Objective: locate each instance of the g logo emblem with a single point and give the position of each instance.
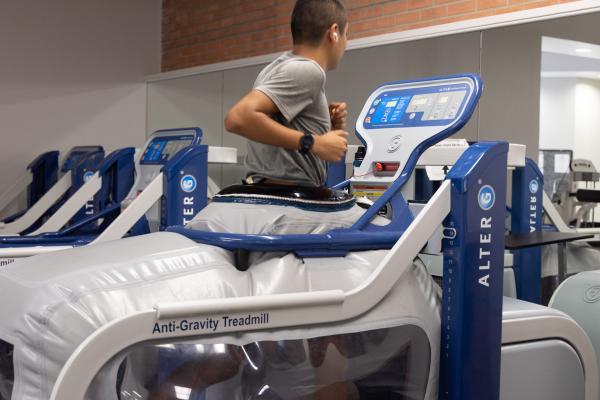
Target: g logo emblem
(592, 295)
(486, 197)
(188, 183)
(534, 186)
(87, 176)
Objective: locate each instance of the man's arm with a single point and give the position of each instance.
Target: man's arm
(251, 118)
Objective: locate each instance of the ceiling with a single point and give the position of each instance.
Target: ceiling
(563, 58)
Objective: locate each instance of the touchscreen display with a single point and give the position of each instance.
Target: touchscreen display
(389, 109)
(416, 107)
(161, 149)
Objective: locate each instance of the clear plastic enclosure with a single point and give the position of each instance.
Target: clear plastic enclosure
(382, 364)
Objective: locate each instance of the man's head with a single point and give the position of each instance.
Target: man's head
(321, 23)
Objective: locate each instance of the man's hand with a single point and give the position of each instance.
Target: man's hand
(331, 146)
(338, 113)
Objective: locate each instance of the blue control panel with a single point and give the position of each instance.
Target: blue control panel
(162, 148)
(429, 106)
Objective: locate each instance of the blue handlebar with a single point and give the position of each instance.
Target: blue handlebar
(115, 157)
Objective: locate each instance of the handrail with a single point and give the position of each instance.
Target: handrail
(71, 206)
(136, 210)
(48, 237)
(115, 157)
(39, 208)
(284, 310)
(337, 240)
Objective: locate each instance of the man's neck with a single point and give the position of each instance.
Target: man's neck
(317, 54)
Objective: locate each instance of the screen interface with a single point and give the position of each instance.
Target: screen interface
(434, 106)
(161, 149)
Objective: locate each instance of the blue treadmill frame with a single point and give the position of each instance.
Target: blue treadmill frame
(175, 204)
(44, 174)
(526, 217)
(472, 296)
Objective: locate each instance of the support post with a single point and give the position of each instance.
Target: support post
(526, 217)
(185, 186)
(473, 275)
(44, 171)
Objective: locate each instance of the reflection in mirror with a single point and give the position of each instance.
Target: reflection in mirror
(570, 125)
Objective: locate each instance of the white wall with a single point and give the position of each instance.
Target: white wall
(587, 120)
(570, 116)
(557, 113)
(72, 73)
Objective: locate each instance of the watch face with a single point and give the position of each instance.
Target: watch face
(309, 139)
(306, 143)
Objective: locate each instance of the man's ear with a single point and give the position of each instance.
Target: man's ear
(334, 33)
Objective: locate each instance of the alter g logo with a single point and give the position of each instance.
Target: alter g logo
(486, 197)
(188, 183)
(534, 186)
(592, 294)
(87, 176)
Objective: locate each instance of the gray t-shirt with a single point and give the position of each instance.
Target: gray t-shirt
(297, 87)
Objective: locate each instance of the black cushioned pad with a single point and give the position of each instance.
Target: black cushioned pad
(313, 198)
(588, 195)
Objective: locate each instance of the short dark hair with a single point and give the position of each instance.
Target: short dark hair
(312, 18)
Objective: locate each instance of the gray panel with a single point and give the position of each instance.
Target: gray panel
(363, 70)
(511, 71)
(72, 74)
(236, 84)
(543, 370)
(190, 101)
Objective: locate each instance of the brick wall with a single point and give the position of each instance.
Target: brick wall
(199, 32)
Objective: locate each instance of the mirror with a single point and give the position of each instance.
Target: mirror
(510, 60)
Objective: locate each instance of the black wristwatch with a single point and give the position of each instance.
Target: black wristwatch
(306, 143)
